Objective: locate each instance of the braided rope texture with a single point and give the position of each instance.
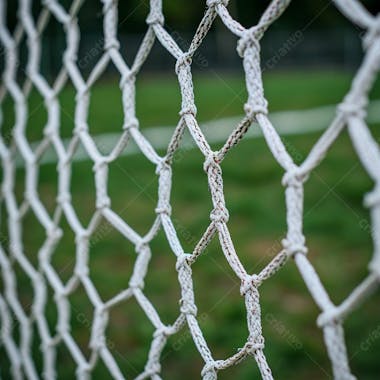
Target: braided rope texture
(350, 114)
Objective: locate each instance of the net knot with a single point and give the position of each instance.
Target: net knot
(111, 43)
(64, 198)
(214, 3)
(329, 317)
(81, 271)
(183, 61)
(49, 132)
(182, 261)
(136, 283)
(152, 369)
(83, 371)
(82, 92)
(254, 344)
(210, 161)
(155, 17)
(100, 163)
(249, 39)
(190, 109)
(372, 33)
(294, 177)
(188, 307)
(61, 294)
(209, 371)
(82, 235)
(351, 108)
(252, 109)
(48, 344)
(132, 122)
(292, 248)
(103, 202)
(141, 245)
(54, 233)
(69, 57)
(80, 127)
(163, 331)
(248, 282)
(164, 209)
(127, 78)
(220, 215)
(372, 198)
(162, 166)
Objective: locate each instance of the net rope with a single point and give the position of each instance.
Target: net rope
(350, 114)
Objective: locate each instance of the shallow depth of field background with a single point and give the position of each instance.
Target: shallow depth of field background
(309, 58)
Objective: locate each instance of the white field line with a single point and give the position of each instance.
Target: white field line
(216, 131)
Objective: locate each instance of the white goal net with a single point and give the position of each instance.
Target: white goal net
(350, 114)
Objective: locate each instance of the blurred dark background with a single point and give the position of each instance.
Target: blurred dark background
(323, 36)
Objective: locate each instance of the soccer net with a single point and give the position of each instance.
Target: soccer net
(350, 114)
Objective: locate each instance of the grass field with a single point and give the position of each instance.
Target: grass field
(337, 228)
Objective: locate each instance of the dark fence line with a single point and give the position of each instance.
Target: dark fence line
(280, 49)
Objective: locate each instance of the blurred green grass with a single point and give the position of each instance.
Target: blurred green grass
(337, 228)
